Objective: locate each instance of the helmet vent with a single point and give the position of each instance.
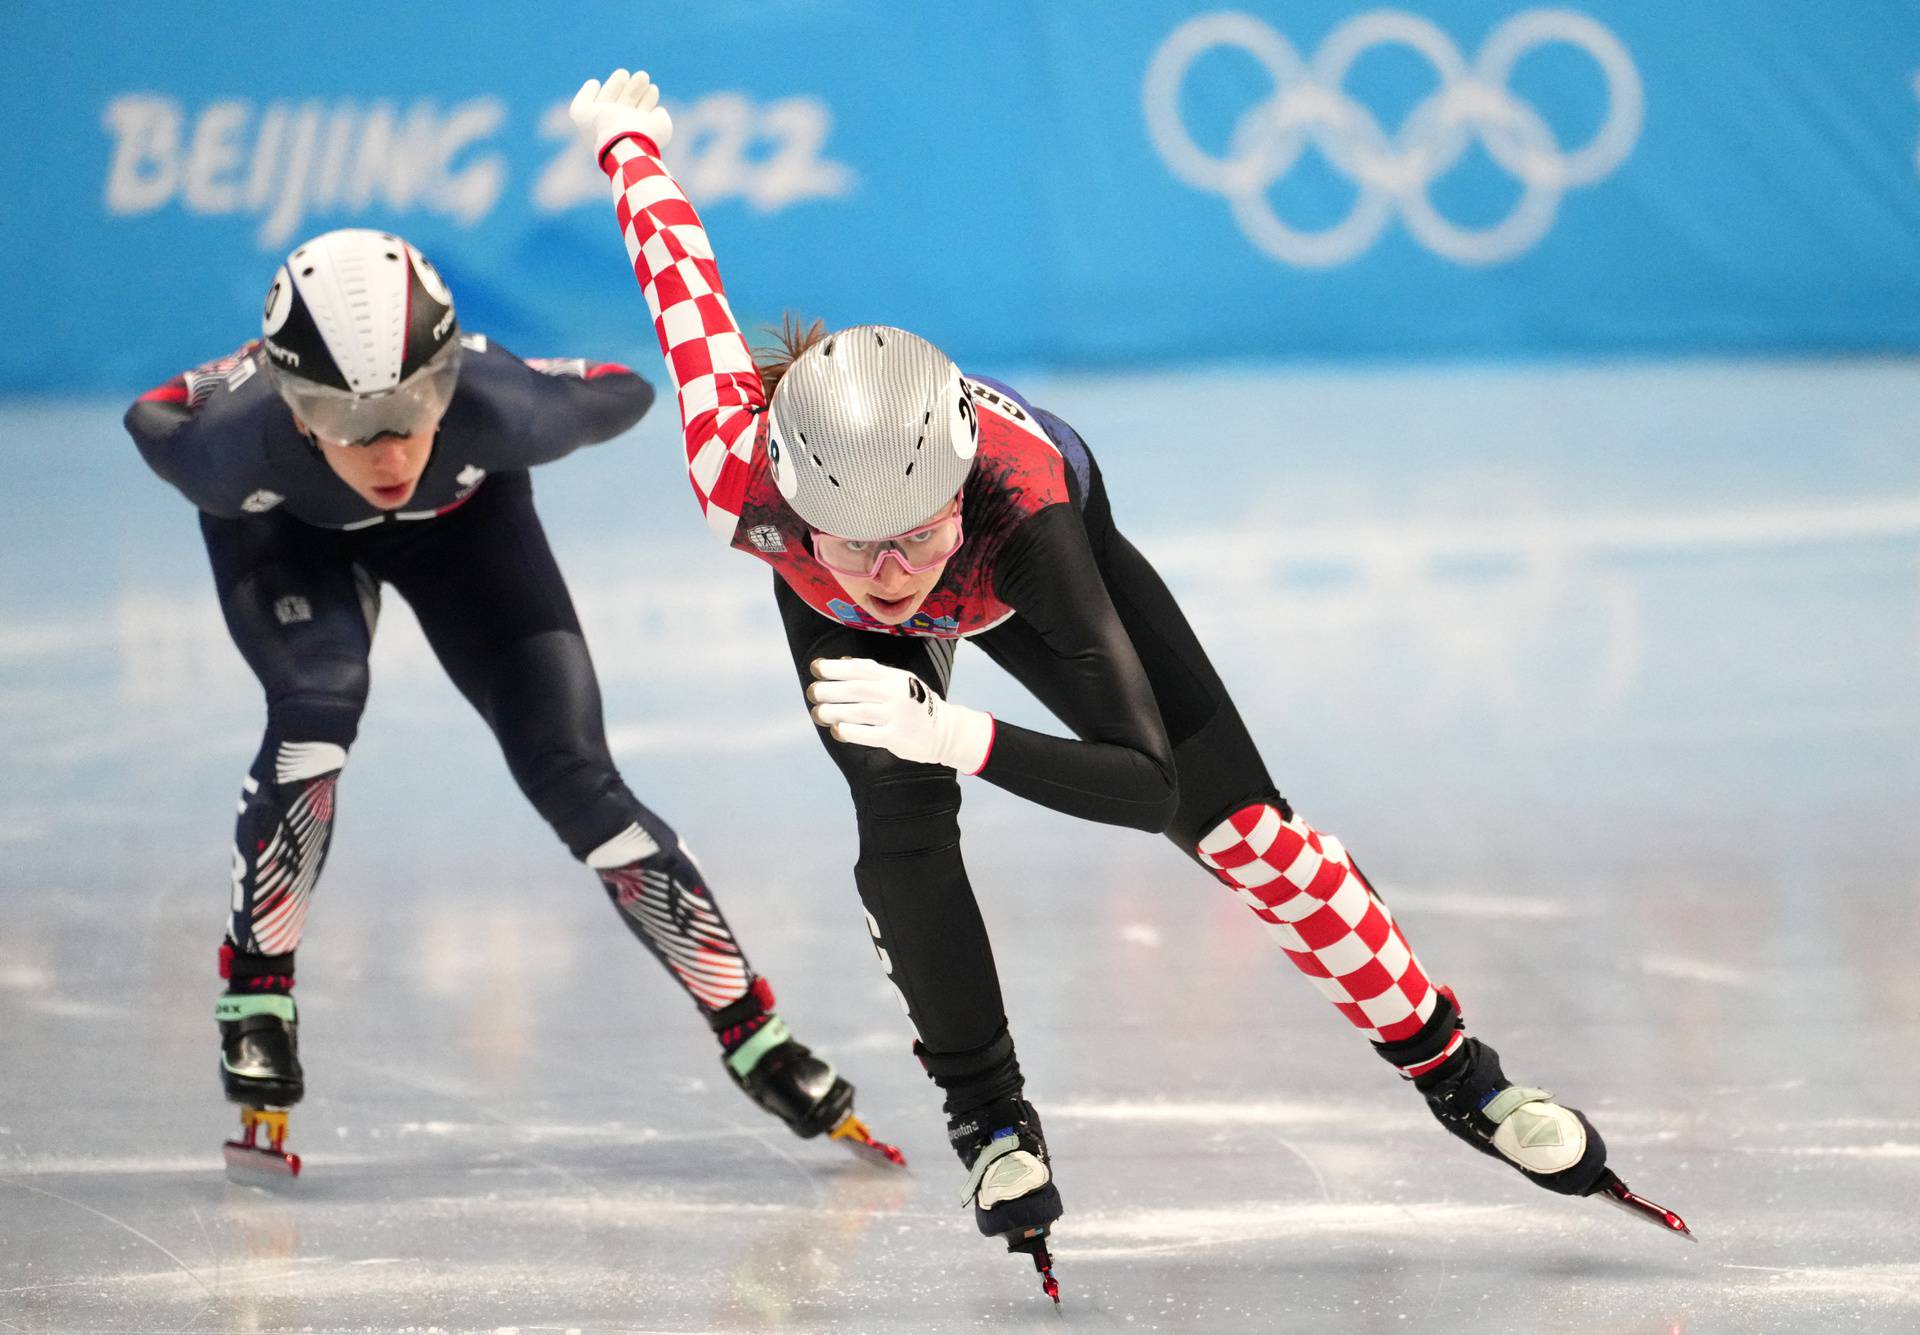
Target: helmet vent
(827, 351)
(831, 478)
(909, 471)
(878, 339)
(348, 314)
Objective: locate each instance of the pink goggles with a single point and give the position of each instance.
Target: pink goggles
(917, 552)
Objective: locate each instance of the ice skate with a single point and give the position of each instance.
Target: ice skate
(260, 1071)
(1010, 1180)
(1554, 1146)
(782, 1075)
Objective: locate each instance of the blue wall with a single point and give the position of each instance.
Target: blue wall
(1073, 183)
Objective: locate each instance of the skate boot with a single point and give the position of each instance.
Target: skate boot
(260, 1071)
(1554, 1146)
(1010, 1180)
(781, 1074)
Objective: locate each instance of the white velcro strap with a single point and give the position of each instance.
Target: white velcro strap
(1501, 1106)
(994, 1150)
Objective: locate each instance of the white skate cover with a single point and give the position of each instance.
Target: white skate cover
(1010, 1177)
(1535, 1132)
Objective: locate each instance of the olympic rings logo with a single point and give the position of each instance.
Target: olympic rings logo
(1309, 108)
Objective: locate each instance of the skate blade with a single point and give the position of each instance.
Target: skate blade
(853, 1133)
(1614, 1192)
(253, 1164)
(1033, 1242)
(257, 1166)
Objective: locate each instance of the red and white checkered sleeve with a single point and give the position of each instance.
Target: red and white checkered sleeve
(707, 356)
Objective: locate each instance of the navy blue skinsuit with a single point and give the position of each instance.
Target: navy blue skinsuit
(299, 560)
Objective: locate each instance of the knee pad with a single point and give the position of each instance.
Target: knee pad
(325, 706)
(581, 794)
(281, 841)
(906, 810)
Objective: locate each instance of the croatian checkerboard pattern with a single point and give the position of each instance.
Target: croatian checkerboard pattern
(1304, 887)
(707, 356)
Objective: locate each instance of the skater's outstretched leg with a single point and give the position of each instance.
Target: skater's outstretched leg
(499, 618)
(1302, 884)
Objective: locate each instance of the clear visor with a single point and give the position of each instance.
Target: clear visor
(342, 417)
(917, 552)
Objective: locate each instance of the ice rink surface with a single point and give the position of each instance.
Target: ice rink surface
(1607, 676)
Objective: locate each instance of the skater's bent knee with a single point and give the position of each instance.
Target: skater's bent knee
(582, 796)
(910, 810)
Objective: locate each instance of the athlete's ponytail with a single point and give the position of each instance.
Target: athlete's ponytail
(794, 337)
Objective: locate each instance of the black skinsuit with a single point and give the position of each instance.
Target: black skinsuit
(1100, 641)
(299, 559)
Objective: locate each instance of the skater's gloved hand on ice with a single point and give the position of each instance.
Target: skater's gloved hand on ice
(871, 704)
(624, 104)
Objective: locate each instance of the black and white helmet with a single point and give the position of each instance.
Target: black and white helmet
(360, 336)
(872, 430)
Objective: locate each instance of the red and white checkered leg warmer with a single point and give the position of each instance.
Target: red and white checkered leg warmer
(707, 355)
(1304, 887)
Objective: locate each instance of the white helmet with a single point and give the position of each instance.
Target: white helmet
(872, 430)
(360, 336)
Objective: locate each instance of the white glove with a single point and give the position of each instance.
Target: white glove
(624, 104)
(870, 704)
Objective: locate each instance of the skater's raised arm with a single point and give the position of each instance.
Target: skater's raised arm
(707, 356)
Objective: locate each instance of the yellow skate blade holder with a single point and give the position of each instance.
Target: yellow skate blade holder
(853, 1133)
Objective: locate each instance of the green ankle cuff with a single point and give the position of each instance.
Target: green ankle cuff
(239, 1007)
(767, 1037)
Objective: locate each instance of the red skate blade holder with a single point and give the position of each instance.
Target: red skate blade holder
(1033, 1242)
(1615, 1193)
